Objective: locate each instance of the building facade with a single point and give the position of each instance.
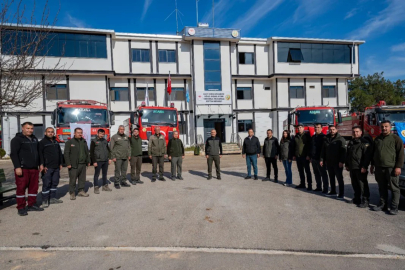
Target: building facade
(233, 83)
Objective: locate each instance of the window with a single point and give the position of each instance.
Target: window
(56, 92)
(246, 58)
(296, 92)
(39, 130)
(329, 91)
(141, 92)
(315, 53)
(140, 55)
(54, 44)
(244, 125)
(244, 93)
(177, 94)
(212, 66)
(167, 56)
(119, 94)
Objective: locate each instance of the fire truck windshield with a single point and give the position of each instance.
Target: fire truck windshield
(160, 117)
(393, 116)
(324, 116)
(95, 117)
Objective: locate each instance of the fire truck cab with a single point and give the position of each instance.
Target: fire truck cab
(81, 112)
(146, 118)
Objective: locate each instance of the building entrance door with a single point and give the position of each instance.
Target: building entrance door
(218, 125)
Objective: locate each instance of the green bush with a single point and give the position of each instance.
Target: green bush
(191, 148)
(2, 152)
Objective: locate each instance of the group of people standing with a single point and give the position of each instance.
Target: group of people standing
(31, 157)
(329, 155)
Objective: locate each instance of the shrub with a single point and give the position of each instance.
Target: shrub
(2, 152)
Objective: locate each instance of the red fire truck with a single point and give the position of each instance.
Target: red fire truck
(308, 116)
(81, 112)
(146, 118)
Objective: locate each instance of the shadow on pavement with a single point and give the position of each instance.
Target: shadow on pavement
(198, 173)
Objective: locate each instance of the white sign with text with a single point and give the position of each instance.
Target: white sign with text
(214, 97)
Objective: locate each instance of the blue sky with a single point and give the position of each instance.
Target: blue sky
(381, 23)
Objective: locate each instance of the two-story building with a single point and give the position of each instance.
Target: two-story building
(234, 83)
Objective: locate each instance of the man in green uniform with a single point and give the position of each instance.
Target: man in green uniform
(120, 153)
(301, 156)
(359, 151)
(213, 153)
(136, 157)
(175, 151)
(76, 158)
(388, 159)
(157, 152)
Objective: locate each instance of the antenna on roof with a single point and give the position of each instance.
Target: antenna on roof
(213, 14)
(196, 10)
(177, 17)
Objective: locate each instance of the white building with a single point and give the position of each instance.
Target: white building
(234, 83)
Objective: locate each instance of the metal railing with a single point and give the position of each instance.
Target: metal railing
(235, 138)
(200, 142)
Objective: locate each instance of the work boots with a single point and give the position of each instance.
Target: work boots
(45, 204)
(106, 188)
(96, 190)
(82, 194)
(55, 201)
(72, 196)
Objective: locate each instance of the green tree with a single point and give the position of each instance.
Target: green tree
(368, 90)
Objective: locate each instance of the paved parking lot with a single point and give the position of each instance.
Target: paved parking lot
(199, 224)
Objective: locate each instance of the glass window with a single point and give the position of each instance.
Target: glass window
(295, 55)
(246, 58)
(141, 92)
(296, 92)
(54, 44)
(119, 94)
(323, 116)
(244, 93)
(39, 130)
(140, 55)
(212, 66)
(56, 92)
(167, 56)
(177, 94)
(161, 117)
(95, 117)
(244, 125)
(329, 91)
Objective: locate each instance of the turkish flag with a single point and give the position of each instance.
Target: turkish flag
(169, 85)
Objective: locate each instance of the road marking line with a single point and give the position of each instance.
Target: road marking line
(210, 250)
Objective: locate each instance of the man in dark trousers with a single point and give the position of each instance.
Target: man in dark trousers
(321, 176)
(302, 147)
(213, 153)
(100, 157)
(51, 160)
(77, 158)
(359, 153)
(120, 154)
(388, 159)
(157, 152)
(333, 156)
(271, 150)
(175, 151)
(136, 157)
(25, 158)
(251, 151)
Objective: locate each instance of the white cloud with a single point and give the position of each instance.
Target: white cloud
(307, 10)
(386, 19)
(351, 13)
(145, 8)
(259, 10)
(76, 22)
(220, 9)
(392, 66)
(398, 47)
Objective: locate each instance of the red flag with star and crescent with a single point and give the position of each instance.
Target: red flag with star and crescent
(169, 85)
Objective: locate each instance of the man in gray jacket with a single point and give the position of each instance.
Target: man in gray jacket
(120, 154)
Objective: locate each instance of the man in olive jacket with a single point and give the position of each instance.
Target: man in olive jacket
(271, 150)
(359, 152)
(76, 158)
(213, 153)
(388, 159)
(302, 146)
(120, 154)
(333, 156)
(175, 151)
(136, 157)
(157, 152)
(100, 157)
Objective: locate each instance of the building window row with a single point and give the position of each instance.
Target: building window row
(53, 44)
(328, 91)
(143, 55)
(167, 56)
(315, 53)
(212, 66)
(56, 92)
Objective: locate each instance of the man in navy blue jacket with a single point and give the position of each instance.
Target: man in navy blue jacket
(251, 151)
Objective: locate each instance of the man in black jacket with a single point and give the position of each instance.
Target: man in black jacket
(251, 151)
(25, 158)
(100, 157)
(50, 157)
(321, 176)
(213, 152)
(271, 150)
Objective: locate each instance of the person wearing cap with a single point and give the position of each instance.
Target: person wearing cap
(387, 161)
(302, 147)
(333, 156)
